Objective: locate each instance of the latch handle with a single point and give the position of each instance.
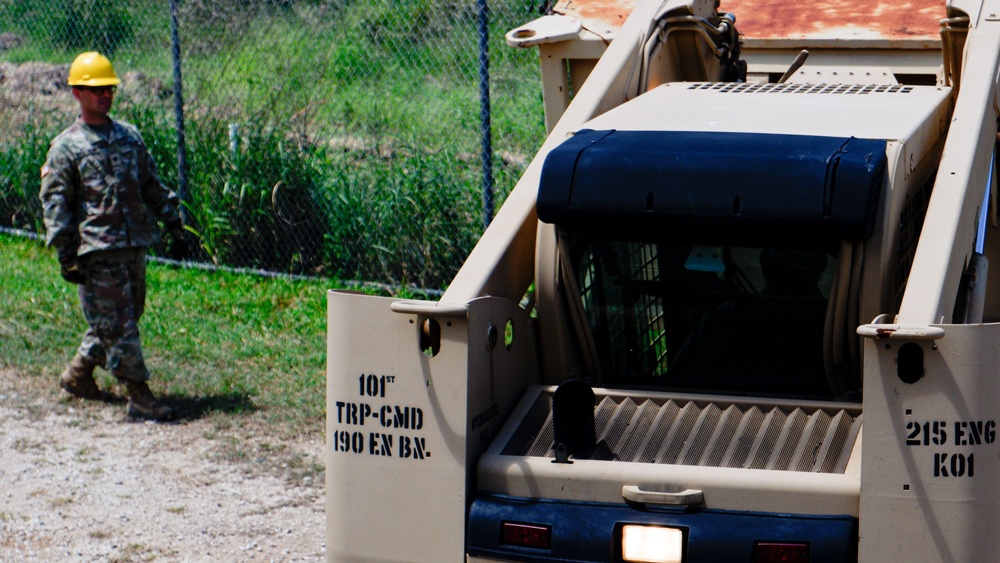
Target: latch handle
(687, 497)
(900, 332)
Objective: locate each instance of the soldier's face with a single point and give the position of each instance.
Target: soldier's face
(95, 100)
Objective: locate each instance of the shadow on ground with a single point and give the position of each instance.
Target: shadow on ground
(192, 408)
(188, 408)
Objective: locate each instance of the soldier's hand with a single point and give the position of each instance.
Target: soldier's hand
(70, 270)
(178, 248)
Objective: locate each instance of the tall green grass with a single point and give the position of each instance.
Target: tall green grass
(20, 170)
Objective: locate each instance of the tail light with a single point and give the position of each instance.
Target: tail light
(780, 552)
(526, 535)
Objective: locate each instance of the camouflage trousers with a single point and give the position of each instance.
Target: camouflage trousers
(113, 298)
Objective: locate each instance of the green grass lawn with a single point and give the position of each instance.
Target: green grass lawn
(217, 344)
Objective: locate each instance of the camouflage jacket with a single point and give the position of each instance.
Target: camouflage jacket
(102, 195)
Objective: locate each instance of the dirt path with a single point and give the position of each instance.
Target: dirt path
(79, 482)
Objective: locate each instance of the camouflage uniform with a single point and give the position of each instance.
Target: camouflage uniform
(102, 197)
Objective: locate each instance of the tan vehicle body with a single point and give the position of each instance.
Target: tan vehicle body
(432, 406)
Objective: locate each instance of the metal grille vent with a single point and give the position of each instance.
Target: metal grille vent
(911, 222)
(706, 433)
(795, 88)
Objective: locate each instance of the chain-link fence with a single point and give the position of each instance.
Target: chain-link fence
(354, 139)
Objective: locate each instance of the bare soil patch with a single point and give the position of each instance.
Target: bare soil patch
(81, 482)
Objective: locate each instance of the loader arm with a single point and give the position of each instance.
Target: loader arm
(950, 225)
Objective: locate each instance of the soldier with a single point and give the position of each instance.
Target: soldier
(102, 197)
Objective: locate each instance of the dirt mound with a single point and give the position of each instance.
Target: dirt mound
(37, 91)
(10, 40)
(33, 93)
(33, 79)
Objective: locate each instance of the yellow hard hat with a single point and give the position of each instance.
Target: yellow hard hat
(92, 69)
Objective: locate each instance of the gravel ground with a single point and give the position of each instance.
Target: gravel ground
(80, 482)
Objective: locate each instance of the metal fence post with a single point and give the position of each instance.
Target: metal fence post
(182, 191)
(484, 113)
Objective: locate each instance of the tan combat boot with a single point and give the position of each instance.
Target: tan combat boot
(78, 379)
(143, 404)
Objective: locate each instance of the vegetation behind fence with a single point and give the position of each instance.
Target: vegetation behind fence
(333, 138)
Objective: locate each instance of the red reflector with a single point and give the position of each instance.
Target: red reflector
(780, 552)
(526, 535)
